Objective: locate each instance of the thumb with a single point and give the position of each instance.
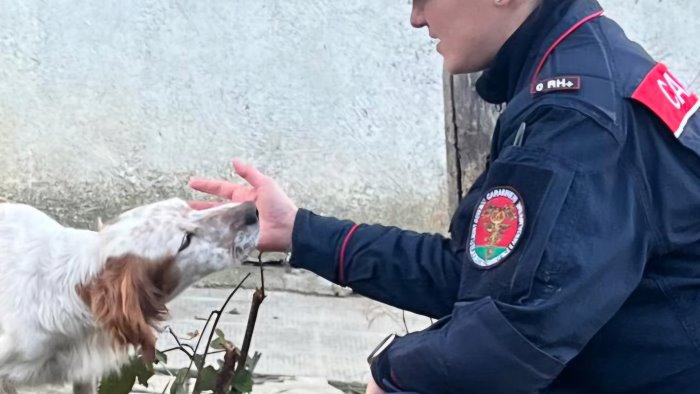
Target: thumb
(249, 173)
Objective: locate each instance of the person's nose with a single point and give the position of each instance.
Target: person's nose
(417, 16)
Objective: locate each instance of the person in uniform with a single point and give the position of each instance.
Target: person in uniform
(573, 262)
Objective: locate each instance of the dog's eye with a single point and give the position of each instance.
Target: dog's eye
(185, 241)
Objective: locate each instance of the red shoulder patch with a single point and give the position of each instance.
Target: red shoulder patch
(662, 93)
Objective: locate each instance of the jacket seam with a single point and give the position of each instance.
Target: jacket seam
(624, 115)
(674, 309)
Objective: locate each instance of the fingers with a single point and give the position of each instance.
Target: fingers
(223, 189)
(232, 191)
(249, 173)
(201, 205)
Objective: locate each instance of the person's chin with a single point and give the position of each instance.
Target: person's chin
(455, 67)
(452, 67)
(450, 64)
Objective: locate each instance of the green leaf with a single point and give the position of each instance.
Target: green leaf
(218, 343)
(178, 386)
(118, 384)
(242, 381)
(161, 357)
(206, 380)
(124, 381)
(252, 363)
(220, 333)
(143, 372)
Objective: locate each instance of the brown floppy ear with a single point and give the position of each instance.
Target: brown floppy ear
(128, 299)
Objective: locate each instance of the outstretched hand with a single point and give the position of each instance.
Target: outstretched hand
(276, 210)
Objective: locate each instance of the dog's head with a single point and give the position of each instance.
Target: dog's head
(153, 252)
(200, 242)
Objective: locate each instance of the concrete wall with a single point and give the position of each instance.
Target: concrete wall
(112, 103)
(104, 105)
(668, 29)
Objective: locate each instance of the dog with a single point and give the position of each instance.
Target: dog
(75, 304)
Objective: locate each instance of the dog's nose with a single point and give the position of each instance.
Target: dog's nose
(251, 214)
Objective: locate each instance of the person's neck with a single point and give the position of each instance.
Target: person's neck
(499, 81)
(520, 14)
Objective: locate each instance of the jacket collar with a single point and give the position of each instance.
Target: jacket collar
(517, 58)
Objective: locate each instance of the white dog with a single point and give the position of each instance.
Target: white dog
(74, 303)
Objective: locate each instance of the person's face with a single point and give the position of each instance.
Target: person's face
(470, 32)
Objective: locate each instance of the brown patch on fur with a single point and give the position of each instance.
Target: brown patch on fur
(128, 299)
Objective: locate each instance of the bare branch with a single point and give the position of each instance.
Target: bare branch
(199, 341)
(218, 316)
(258, 298)
(180, 345)
(403, 316)
(227, 370)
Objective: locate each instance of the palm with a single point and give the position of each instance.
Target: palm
(276, 210)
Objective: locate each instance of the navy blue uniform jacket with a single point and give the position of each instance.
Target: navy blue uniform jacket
(573, 262)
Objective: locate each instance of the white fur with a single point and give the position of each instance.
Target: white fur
(47, 333)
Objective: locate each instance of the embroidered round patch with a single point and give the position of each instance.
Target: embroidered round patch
(497, 226)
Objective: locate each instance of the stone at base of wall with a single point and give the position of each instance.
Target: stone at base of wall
(276, 278)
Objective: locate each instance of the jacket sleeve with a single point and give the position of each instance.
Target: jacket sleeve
(583, 251)
(409, 270)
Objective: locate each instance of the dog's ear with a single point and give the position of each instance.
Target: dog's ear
(128, 299)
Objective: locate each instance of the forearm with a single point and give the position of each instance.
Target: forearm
(408, 270)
